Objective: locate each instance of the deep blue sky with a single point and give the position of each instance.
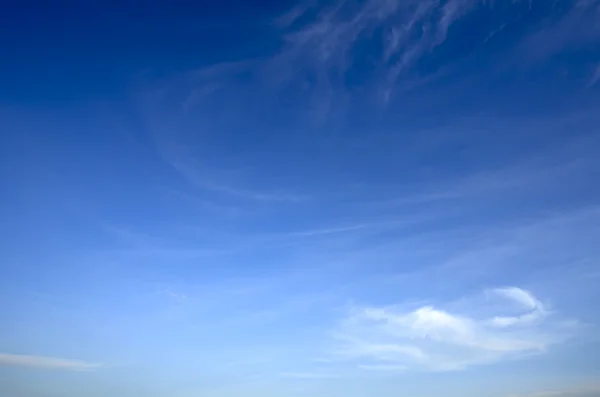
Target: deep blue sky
(300, 198)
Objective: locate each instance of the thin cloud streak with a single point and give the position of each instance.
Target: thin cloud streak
(307, 375)
(49, 363)
(595, 76)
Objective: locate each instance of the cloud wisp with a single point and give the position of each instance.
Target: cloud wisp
(48, 363)
(595, 76)
(431, 338)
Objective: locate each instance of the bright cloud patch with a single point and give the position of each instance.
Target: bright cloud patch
(432, 338)
(535, 309)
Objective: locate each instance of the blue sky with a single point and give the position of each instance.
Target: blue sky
(355, 198)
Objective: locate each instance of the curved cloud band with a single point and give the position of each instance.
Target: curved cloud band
(434, 339)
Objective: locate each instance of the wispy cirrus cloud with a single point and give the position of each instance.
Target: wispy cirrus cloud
(319, 72)
(43, 362)
(437, 339)
(328, 43)
(325, 45)
(321, 45)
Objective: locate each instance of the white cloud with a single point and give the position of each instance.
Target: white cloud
(535, 308)
(431, 338)
(46, 362)
(521, 296)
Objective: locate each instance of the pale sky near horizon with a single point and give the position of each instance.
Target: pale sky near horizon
(270, 198)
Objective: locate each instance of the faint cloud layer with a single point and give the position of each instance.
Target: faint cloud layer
(586, 390)
(431, 338)
(42, 362)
